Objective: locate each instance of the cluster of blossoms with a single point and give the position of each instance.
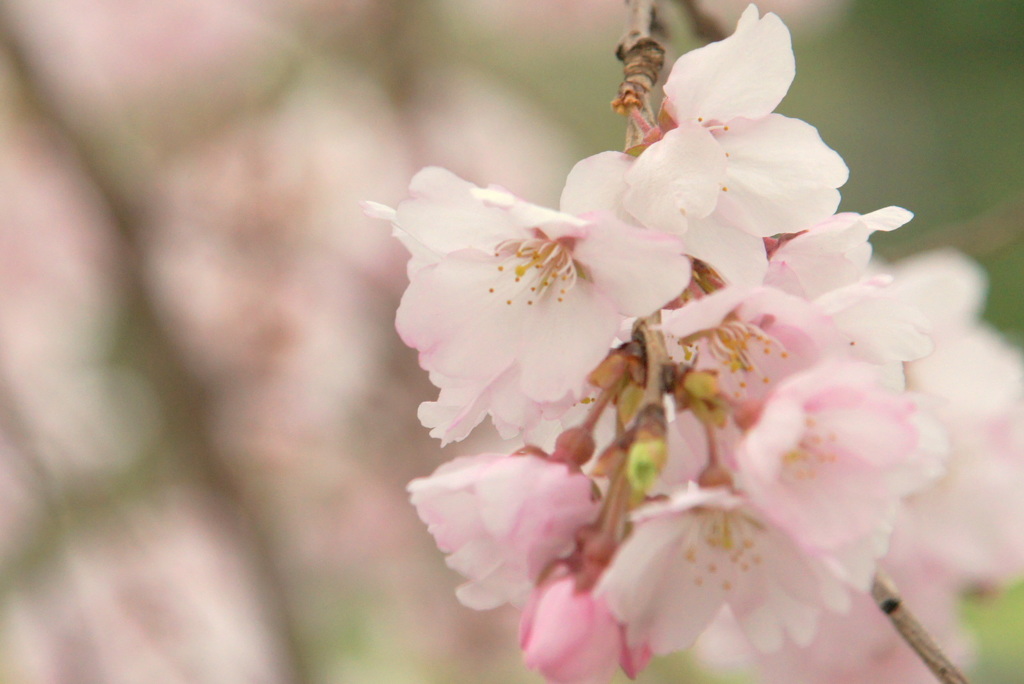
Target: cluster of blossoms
(776, 413)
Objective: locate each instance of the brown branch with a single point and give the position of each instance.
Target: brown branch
(704, 25)
(187, 406)
(647, 332)
(642, 58)
(888, 598)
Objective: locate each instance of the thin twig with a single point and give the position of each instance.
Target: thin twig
(647, 332)
(642, 59)
(985, 236)
(888, 598)
(188, 407)
(704, 25)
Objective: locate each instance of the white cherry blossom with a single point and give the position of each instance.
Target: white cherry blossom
(510, 304)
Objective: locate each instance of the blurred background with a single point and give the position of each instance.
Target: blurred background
(206, 419)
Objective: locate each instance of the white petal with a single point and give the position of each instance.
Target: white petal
(738, 256)
(706, 313)
(461, 406)
(781, 177)
(887, 218)
(460, 328)
(596, 183)
(947, 285)
(881, 328)
(747, 74)
(650, 587)
(640, 270)
(562, 341)
(376, 210)
(676, 178)
(443, 214)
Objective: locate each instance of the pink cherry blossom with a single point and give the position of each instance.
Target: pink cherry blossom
(705, 549)
(503, 519)
(960, 524)
(725, 171)
(830, 457)
(752, 337)
(779, 177)
(879, 327)
(515, 304)
(570, 637)
(831, 254)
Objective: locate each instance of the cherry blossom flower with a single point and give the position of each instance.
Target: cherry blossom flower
(515, 304)
(503, 519)
(831, 254)
(959, 525)
(774, 174)
(725, 171)
(831, 455)
(753, 338)
(571, 637)
(705, 549)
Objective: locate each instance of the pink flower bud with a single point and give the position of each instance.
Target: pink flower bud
(570, 636)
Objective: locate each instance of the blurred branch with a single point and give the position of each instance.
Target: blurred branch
(705, 26)
(187, 406)
(888, 598)
(985, 236)
(56, 515)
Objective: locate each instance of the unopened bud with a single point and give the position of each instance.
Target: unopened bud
(576, 445)
(646, 460)
(609, 372)
(701, 384)
(631, 398)
(699, 392)
(608, 462)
